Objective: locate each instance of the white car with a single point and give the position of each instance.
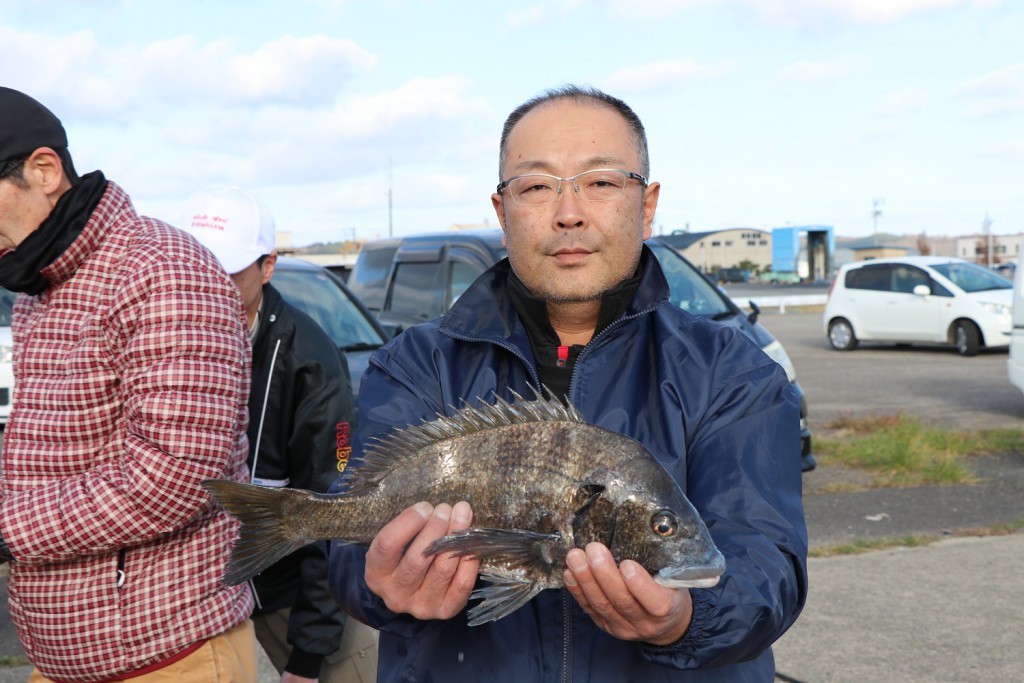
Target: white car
(6, 355)
(919, 299)
(1016, 361)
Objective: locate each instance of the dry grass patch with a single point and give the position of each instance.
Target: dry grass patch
(912, 541)
(901, 451)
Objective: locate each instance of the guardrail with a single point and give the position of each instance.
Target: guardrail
(781, 302)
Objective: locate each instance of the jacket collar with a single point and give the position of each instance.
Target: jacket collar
(270, 309)
(105, 216)
(485, 311)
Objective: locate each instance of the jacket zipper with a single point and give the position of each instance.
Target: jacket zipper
(120, 568)
(586, 349)
(566, 637)
(263, 412)
(256, 447)
(566, 604)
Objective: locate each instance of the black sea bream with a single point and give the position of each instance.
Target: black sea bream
(540, 480)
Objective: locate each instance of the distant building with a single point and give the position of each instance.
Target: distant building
(1005, 248)
(727, 248)
(868, 252)
(806, 250)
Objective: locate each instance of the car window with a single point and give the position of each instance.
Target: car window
(416, 291)
(6, 306)
(690, 290)
(463, 275)
(939, 290)
(970, 277)
(905, 278)
(874, 277)
(317, 295)
(368, 279)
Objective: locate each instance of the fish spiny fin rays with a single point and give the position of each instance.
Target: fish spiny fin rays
(388, 451)
(500, 598)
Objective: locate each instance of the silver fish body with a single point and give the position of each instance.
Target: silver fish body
(540, 481)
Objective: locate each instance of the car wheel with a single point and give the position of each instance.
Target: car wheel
(841, 336)
(967, 338)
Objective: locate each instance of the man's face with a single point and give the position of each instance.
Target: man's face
(573, 249)
(250, 281)
(23, 209)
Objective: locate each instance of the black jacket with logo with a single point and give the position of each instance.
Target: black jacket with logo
(301, 413)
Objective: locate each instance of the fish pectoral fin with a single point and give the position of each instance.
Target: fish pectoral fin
(586, 496)
(518, 547)
(502, 597)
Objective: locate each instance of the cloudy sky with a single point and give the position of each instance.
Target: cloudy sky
(760, 113)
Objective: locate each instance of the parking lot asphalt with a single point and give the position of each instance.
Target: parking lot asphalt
(949, 611)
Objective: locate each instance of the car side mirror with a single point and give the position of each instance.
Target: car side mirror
(755, 311)
(922, 290)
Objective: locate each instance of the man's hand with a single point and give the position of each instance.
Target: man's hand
(427, 587)
(288, 677)
(624, 600)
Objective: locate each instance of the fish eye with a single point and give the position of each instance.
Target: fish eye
(664, 523)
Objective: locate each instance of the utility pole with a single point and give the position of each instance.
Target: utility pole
(986, 229)
(876, 212)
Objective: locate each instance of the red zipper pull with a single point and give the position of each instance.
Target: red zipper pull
(563, 355)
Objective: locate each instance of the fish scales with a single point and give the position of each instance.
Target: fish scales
(540, 481)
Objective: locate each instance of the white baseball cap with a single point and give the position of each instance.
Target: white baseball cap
(232, 223)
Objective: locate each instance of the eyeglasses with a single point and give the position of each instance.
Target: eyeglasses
(598, 185)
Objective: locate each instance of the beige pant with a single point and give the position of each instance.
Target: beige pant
(354, 662)
(227, 658)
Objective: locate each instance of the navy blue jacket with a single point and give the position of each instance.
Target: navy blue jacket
(716, 412)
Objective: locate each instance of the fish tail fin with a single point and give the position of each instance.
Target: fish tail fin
(265, 536)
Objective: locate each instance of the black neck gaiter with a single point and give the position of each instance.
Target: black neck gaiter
(555, 362)
(21, 269)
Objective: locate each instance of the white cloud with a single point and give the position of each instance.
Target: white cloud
(900, 102)
(84, 78)
(527, 17)
(424, 121)
(1010, 151)
(663, 74)
(821, 72)
(997, 92)
(540, 14)
(804, 14)
(647, 9)
(801, 14)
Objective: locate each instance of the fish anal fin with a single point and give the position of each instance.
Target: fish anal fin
(500, 598)
(510, 547)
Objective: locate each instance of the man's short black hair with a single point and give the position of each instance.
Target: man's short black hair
(579, 94)
(14, 169)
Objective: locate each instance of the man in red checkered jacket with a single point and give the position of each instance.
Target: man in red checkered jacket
(132, 369)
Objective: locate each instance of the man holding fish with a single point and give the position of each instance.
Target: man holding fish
(634, 517)
(579, 311)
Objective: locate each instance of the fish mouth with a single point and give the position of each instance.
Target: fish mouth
(704, 575)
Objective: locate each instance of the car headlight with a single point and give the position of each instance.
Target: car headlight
(779, 355)
(6, 353)
(996, 309)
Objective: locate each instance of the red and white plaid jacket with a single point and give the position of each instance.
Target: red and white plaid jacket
(132, 375)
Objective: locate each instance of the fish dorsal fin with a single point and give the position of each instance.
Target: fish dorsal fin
(388, 451)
